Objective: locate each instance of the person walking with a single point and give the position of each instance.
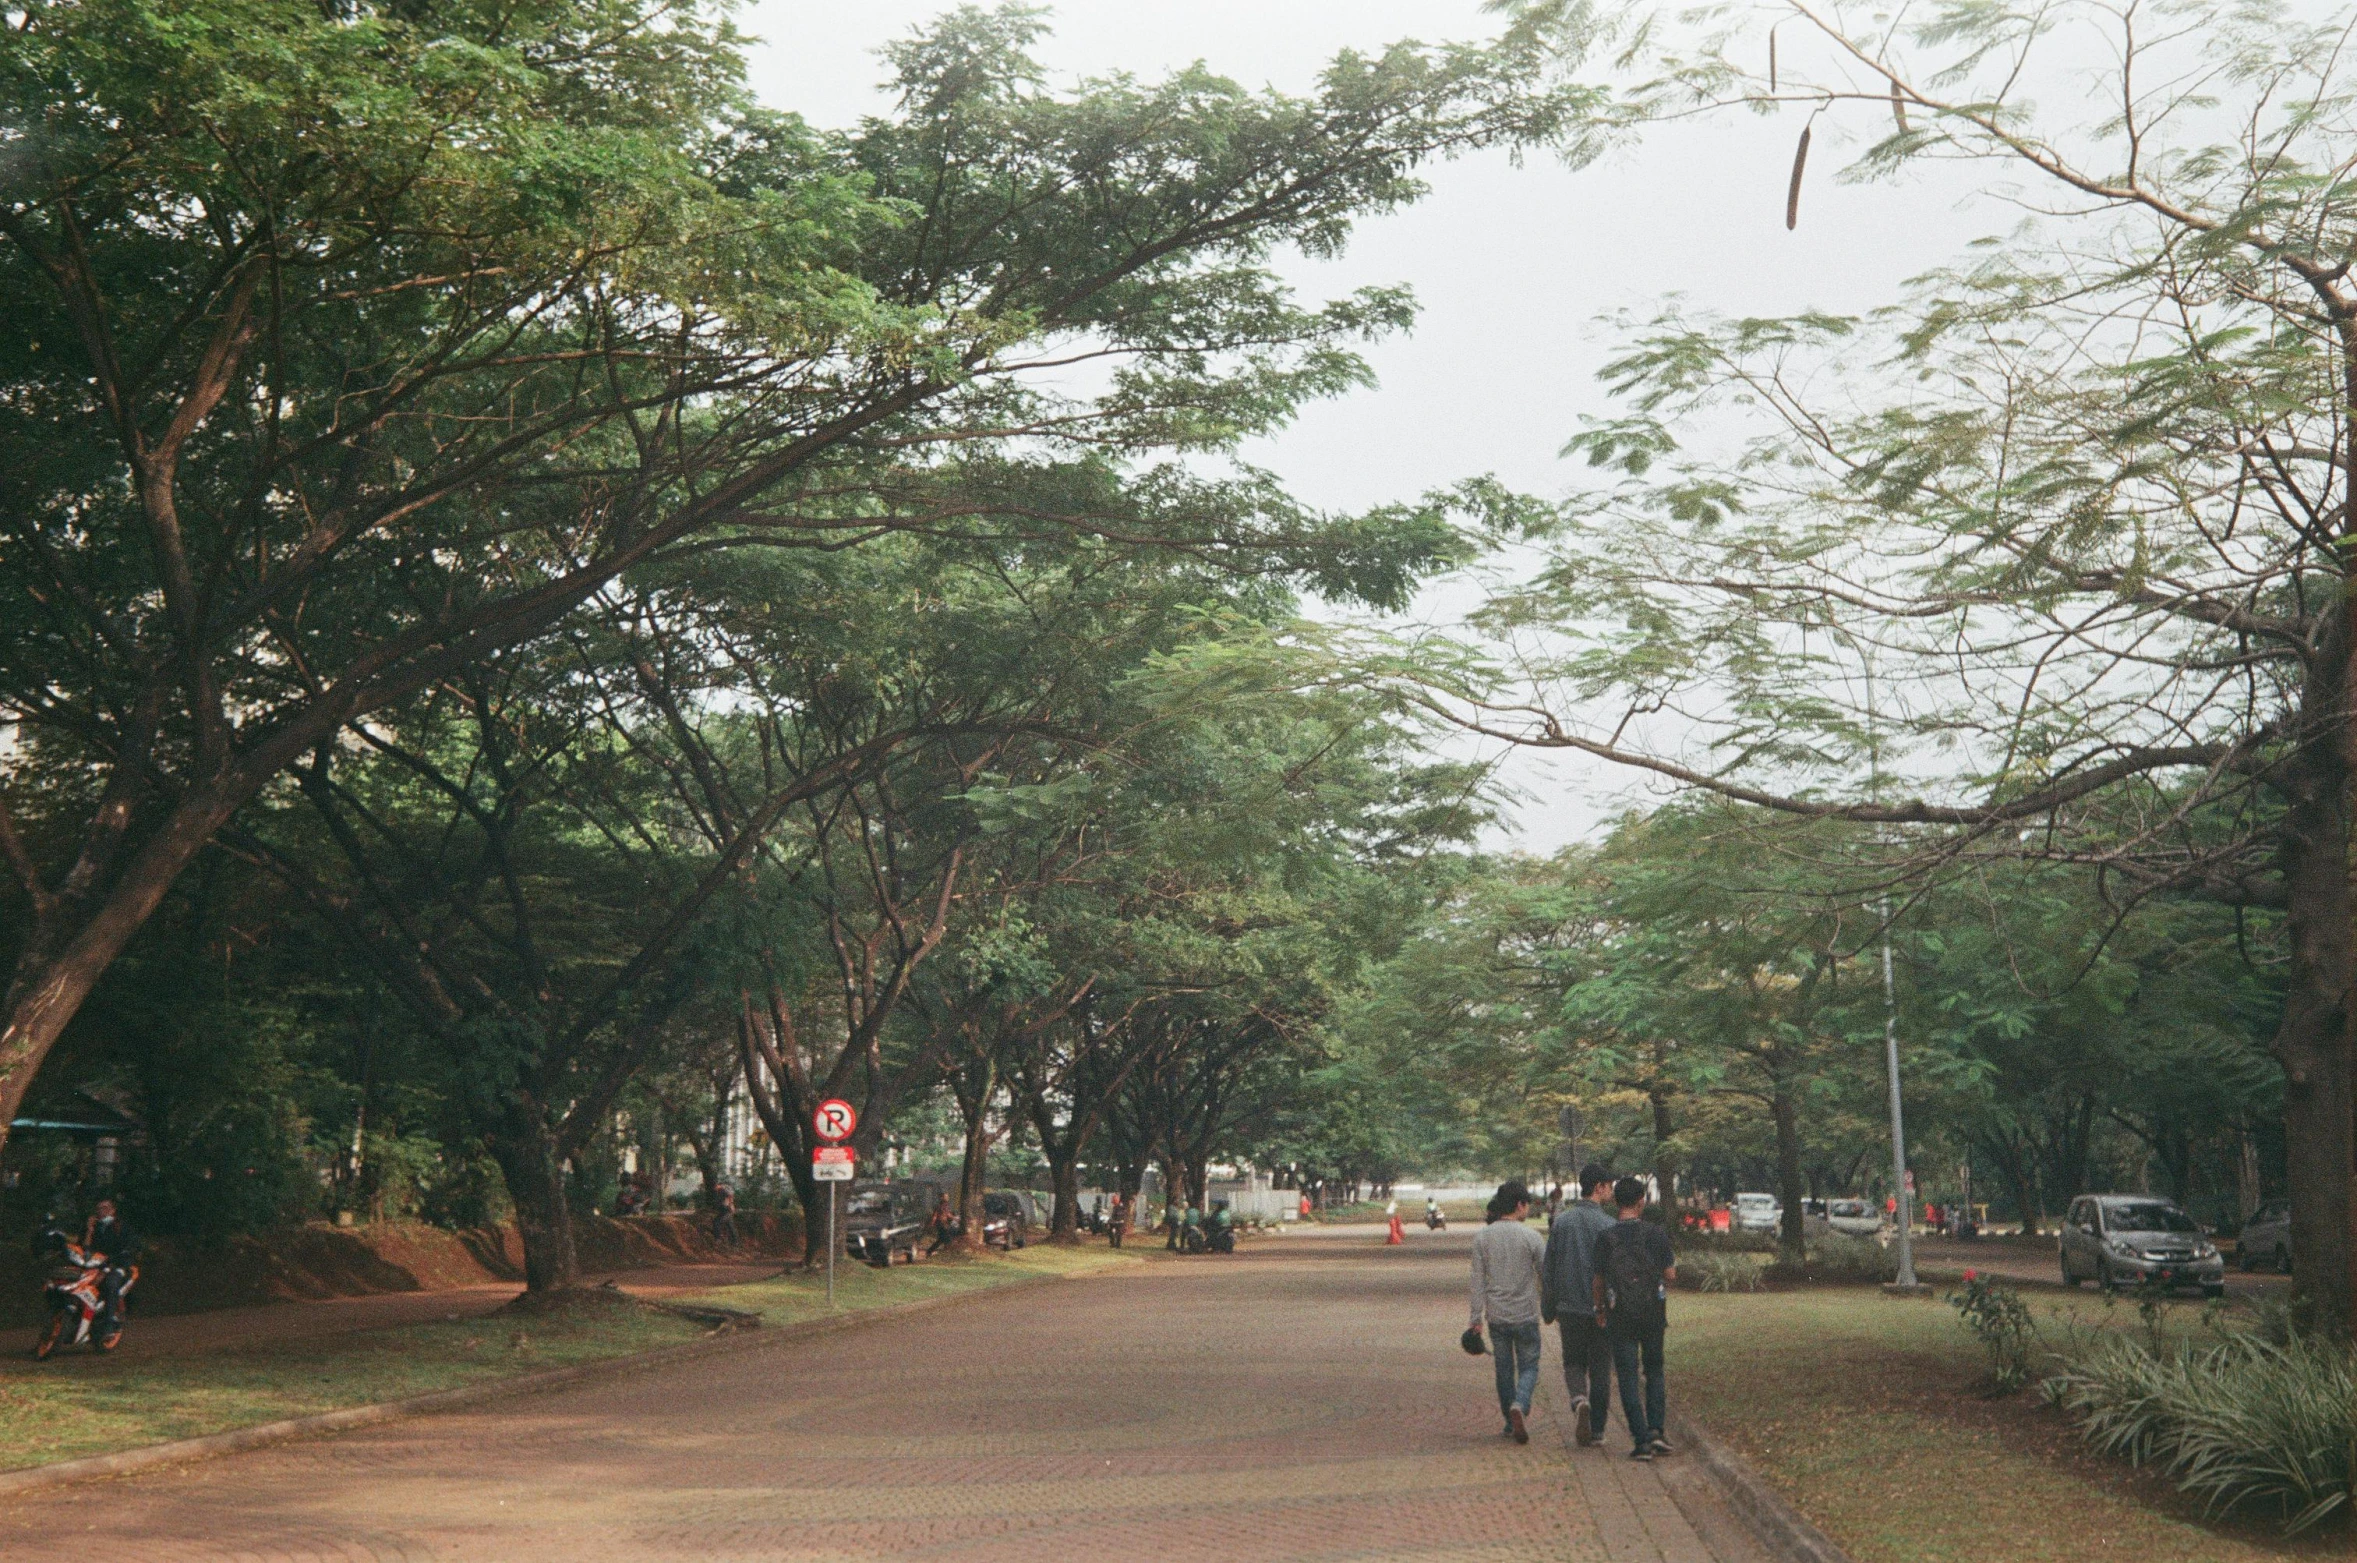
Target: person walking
(1567, 1300)
(1506, 1283)
(724, 1216)
(1634, 1268)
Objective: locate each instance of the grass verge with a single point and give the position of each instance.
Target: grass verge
(1870, 1415)
(78, 1405)
(799, 1297)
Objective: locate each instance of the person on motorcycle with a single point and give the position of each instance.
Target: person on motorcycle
(1431, 1211)
(1220, 1229)
(108, 1236)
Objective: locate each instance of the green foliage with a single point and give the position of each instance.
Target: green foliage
(2238, 1420)
(1712, 1270)
(2003, 1324)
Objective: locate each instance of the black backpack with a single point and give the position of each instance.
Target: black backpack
(1632, 1278)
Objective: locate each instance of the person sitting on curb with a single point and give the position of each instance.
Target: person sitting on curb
(1634, 1268)
(1506, 1260)
(1567, 1301)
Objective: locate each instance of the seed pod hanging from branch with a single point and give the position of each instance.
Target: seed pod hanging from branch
(1898, 108)
(1800, 161)
(1772, 57)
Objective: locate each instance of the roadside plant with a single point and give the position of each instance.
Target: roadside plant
(1717, 1271)
(2004, 1326)
(1834, 1257)
(2239, 1420)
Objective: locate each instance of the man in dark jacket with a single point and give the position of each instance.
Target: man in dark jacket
(1568, 1302)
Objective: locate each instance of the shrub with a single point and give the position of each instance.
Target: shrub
(1836, 1257)
(2237, 1419)
(1710, 1271)
(1725, 1242)
(2004, 1327)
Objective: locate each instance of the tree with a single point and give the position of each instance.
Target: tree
(2052, 561)
(354, 347)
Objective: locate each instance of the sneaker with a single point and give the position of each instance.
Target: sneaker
(1660, 1446)
(1583, 1425)
(1517, 1425)
(1645, 1454)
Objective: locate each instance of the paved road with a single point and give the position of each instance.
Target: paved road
(1302, 1400)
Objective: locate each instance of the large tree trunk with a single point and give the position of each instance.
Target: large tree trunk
(974, 1168)
(1792, 1244)
(1064, 1177)
(534, 1172)
(2312, 1042)
(1665, 1159)
(2021, 1178)
(62, 960)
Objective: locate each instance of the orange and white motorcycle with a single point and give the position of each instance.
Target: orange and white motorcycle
(77, 1301)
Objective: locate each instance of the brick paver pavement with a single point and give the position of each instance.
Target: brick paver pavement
(1304, 1399)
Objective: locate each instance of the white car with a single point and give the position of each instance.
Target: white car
(1856, 1217)
(1757, 1213)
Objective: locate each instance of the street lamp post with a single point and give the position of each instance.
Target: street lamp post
(1890, 1048)
(1905, 1195)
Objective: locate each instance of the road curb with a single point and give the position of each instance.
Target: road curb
(1780, 1527)
(212, 1445)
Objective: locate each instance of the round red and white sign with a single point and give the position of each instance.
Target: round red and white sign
(834, 1119)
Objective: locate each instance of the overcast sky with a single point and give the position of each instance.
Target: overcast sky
(1513, 266)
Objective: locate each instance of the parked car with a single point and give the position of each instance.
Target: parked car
(1853, 1217)
(884, 1220)
(1006, 1218)
(2267, 1238)
(2135, 1239)
(1757, 1213)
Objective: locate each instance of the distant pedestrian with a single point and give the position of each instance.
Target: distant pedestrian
(1117, 1218)
(1568, 1301)
(942, 1224)
(1634, 1267)
(1506, 1285)
(724, 1216)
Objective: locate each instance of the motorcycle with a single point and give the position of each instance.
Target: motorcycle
(76, 1301)
(1221, 1239)
(1434, 1221)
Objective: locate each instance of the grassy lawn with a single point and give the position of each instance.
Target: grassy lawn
(79, 1404)
(1869, 1415)
(857, 1286)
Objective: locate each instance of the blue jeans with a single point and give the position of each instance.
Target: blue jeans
(1645, 1414)
(1516, 1346)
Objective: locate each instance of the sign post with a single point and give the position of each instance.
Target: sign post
(832, 1163)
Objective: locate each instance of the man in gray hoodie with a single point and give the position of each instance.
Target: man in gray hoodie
(1567, 1301)
(1506, 1288)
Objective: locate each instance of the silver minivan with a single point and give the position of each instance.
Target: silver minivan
(2267, 1238)
(2137, 1239)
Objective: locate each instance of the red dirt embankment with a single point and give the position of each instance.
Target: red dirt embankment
(185, 1275)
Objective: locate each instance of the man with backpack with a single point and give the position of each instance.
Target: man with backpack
(1567, 1300)
(1506, 1259)
(1634, 1266)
